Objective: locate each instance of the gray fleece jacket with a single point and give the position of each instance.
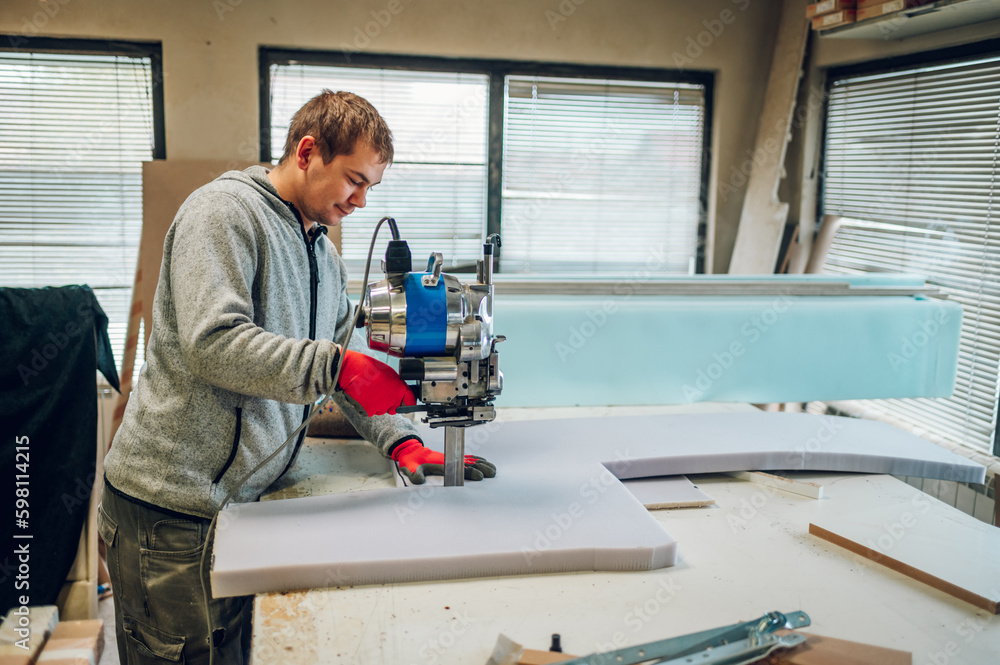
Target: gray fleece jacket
(230, 360)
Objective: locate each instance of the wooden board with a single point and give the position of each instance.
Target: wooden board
(945, 549)
(533, 657)
(817, 650)
(802, 488)
(762, 220)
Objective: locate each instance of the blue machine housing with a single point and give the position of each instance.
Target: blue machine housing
(426, 317)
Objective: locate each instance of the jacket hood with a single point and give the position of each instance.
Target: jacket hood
(256, 178)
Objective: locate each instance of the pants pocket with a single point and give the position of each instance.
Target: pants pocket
(107, 529)
(171, 574)
(146, 645)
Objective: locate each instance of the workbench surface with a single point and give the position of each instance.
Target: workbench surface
(749, 554)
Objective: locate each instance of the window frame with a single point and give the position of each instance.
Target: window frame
(15, 43)
(496, 70)
(951, 54)
(137, 49)
(885, 66)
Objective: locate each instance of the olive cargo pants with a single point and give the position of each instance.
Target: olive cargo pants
(154, 559)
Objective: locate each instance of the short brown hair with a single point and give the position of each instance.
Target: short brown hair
(338, 120)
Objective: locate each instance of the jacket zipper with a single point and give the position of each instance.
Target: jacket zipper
(310, 240)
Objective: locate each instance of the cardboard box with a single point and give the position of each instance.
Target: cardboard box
(40, 621)
(881, 8)
(828, 6)
(843, 17)
(15, 660)
(864, 4)
(74, 643)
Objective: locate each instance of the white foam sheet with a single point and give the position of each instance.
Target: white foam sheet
(653, 493)
(667, 492)
(553, 507)
(518, 523)
(670, 445)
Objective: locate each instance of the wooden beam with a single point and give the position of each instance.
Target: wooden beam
(762, 221)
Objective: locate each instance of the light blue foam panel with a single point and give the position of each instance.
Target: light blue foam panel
(611, 350)
(622, 281)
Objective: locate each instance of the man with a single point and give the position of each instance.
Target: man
(250, 295)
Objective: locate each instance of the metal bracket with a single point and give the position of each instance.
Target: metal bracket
(434, 264)
(737, 644)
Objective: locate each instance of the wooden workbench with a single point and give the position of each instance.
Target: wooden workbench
(749, 554)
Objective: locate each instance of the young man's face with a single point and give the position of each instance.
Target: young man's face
(332, 191)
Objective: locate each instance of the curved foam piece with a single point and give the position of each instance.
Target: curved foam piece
(519, 523)
(669, 445)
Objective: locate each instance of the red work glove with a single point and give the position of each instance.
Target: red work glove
(416, 462)
(373, 384)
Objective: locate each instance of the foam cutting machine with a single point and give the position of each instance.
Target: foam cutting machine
(441, 329)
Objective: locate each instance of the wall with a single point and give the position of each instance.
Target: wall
(210, 55)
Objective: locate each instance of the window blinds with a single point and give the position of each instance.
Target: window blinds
(911, 162)
(436, 187)
(601, 175)
(74, 131)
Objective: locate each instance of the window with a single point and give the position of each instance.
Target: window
(601, 176)
(588, 170)
(911, 164)
(76, 123)
(436, 187)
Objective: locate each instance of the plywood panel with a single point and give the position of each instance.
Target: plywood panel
(948, 550)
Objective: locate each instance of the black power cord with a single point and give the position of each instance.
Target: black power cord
(317, 407)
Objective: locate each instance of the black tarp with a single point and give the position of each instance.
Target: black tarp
(51, 342)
